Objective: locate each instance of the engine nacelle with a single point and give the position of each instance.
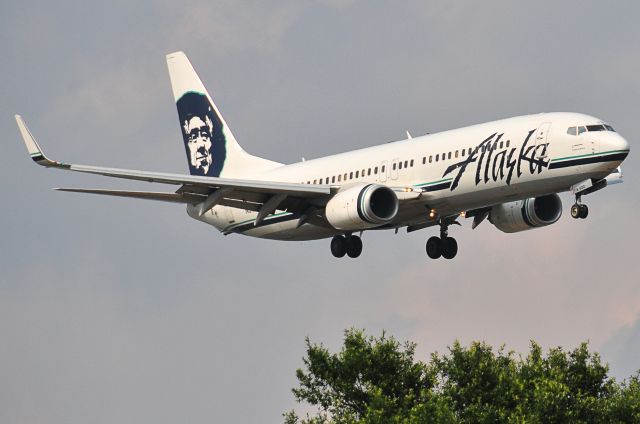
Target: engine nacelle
(362, 206)
(526, 214)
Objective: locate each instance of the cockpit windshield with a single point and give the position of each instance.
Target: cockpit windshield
(584, 128)
(595, 127)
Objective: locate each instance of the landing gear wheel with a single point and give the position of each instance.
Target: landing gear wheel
(434, 247)
(584, 211)
(354, 246)
(449, 248)
(578, 210)
(338, 246)
(575, 211)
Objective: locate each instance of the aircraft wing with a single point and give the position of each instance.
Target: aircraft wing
(260, 196)
(199, 186)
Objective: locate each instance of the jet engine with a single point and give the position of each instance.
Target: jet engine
(526, 214)
(362, 206)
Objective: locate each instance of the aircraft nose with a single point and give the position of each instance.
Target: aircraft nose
(620, 146)
(623, 144)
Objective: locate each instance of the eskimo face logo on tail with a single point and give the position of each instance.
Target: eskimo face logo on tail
(202, 133)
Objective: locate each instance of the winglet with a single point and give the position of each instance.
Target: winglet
(33, 148)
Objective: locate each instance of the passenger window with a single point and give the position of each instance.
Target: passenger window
(449, 155)
(368, 172)
(411, 163)
(572, 131)
(508, 142)
(406, 163)
(357, 174)
(339, 177)
(314, 181)
(375, 170)
(400, 165)
(345, 176)
(333, 179)
(456, 153)
(394, 167)
(362, 173)
(469, 150)
(351, 175)
(437, 156)
(501, 144)
(462, 152)
(430, 158)
(382, 169)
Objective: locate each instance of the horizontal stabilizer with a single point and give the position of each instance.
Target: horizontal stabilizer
(615, 177)
(147, 195)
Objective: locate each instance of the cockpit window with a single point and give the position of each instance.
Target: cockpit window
(581, 129)
(596, 128)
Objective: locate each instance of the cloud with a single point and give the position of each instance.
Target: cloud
(622, 350)
(226, 29)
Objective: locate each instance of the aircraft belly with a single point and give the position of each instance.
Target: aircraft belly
(288, 231)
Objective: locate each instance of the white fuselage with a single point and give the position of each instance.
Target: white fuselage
(448, 172)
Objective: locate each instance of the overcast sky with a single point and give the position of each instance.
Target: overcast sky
(117, 310)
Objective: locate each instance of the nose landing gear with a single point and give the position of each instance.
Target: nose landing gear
(579, 210)
(443, 246)
(348, 244)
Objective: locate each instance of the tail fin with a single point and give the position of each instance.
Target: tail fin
(211, 148)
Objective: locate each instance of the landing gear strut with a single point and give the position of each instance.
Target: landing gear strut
(443, 246)
(348, 244)
(579, 210)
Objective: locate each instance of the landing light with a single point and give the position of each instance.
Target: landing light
(463, 214)
(432, 213)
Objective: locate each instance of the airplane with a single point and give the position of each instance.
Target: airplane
(508, 171)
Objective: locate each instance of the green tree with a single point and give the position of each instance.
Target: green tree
(370, 377)
(378, 380)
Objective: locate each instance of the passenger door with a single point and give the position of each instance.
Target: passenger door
(541, 140)
(394, 169)
(384, 168)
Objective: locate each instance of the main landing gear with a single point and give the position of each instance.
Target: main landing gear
(579, 210)
(348, 244)
(444, 246)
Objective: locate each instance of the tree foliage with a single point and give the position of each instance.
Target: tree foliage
(378, 380)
